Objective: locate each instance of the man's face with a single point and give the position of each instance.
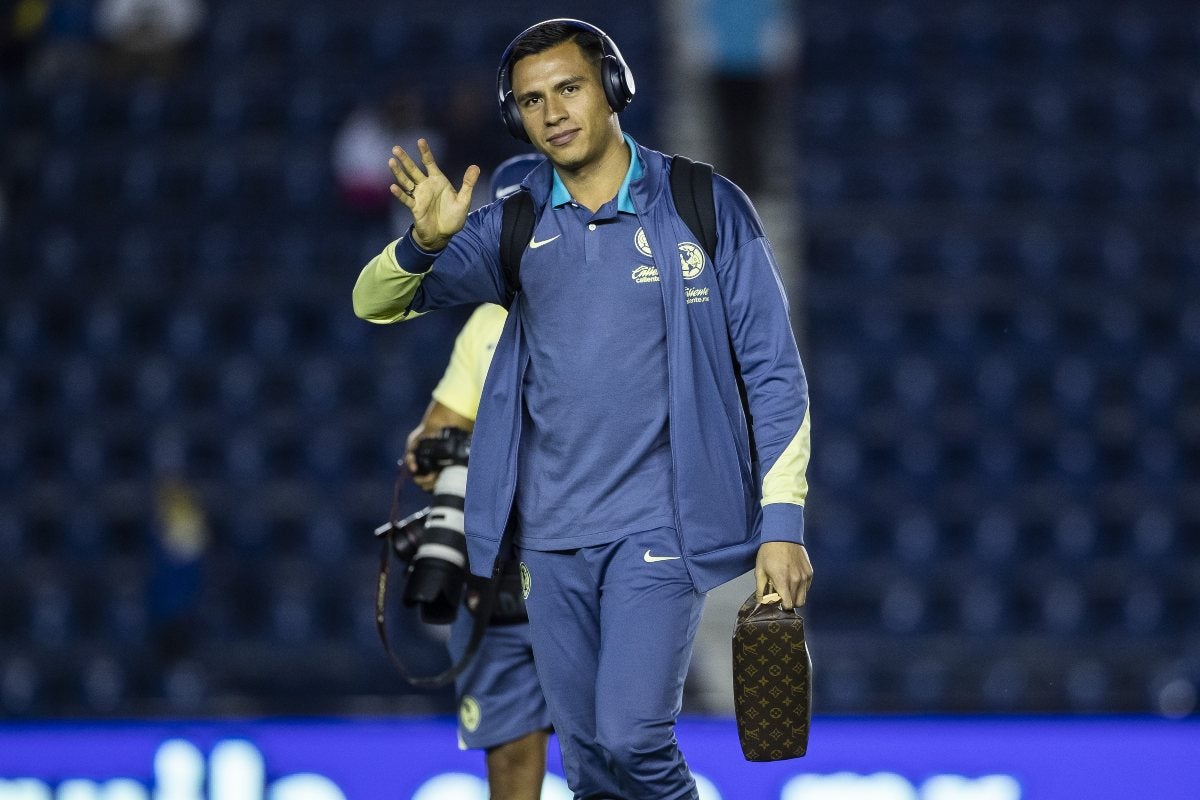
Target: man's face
(563, 105)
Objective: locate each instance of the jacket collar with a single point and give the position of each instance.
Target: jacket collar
(641, 186)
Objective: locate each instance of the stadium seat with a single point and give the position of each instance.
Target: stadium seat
(1004, 684)
(141, 178)
(104, 684)
(920, 455)
(1076, 534)
(186, 686)
(1144, 611)
(1154, 533)
(325, 536)
(846, 683)
(1075, 386)
(1064, 606)
(904, 608)
(841, 529)
(840, 461)
(270, 332)
(997, 536)
(59, 252)
(293, 616)
(221, 180)
(326, 452)
(187, 333)
(125, 610)
(246, 457)
(59, 179)
(146, 103)
(1158, 455)
(51, 617)
(1157, 385)
(20, 686)
(69, 111)
(916, 540)
(140, 256)
(240, 386)
(320, 385)
(156, 385)
(926, 683)
(984, 608)
(841, 390)
(1089, 685)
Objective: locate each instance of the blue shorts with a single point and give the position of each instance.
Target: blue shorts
(499, 698)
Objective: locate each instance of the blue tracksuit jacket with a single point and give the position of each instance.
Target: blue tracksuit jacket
(728, 499)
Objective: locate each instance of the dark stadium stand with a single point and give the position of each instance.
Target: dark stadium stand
(1001, 206)
(1002, 333)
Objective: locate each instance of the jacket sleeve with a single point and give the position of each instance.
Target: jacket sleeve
(765, 347)
(405, 281)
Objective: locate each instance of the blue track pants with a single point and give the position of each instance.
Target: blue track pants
(612, 629)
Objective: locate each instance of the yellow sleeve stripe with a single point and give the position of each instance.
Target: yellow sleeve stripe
(384, 290)
(786, 481)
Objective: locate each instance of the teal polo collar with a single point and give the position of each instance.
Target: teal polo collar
(559, 196)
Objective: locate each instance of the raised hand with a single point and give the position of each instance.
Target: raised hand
(439, 210)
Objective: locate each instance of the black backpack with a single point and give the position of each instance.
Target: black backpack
(691, 189)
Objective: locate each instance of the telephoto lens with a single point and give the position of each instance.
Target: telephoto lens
(437, 573)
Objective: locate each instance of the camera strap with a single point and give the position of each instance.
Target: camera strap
(487, 601)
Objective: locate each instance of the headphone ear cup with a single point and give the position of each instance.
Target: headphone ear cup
(512, 117)
(616, 87)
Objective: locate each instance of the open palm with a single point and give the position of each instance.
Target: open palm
(439, 210)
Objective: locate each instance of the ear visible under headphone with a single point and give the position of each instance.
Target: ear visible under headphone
(615, 76)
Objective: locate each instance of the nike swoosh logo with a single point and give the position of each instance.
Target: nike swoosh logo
(649, 559)
(534, 244)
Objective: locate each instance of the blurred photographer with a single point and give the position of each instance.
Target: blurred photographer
(500, 705)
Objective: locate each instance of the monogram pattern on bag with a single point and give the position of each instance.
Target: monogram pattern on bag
(772, 683)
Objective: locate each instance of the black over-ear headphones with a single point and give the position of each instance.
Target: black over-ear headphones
(615, 76)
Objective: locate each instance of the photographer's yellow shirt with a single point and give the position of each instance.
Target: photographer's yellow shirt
(462, 384)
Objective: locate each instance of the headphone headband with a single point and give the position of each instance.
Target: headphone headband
(615, 75)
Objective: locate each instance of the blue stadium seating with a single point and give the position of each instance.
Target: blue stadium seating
(1000, 329)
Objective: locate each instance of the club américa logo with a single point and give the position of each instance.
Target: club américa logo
(642, 243)
(525, 581)
(469, 713)
(691, 258)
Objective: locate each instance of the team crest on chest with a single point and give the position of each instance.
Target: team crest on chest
(691, 258)
(642, 243)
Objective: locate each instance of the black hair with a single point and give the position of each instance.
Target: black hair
(543, 37)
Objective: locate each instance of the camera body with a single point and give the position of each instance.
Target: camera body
(433, 542)
(437, 550)
(451, 447)
(438, 570)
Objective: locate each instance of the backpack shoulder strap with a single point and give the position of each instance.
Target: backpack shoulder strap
(691, 189)
(516, 228)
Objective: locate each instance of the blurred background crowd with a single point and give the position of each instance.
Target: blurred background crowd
(988, 216)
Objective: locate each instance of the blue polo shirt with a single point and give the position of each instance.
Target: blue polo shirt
(594, 462)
